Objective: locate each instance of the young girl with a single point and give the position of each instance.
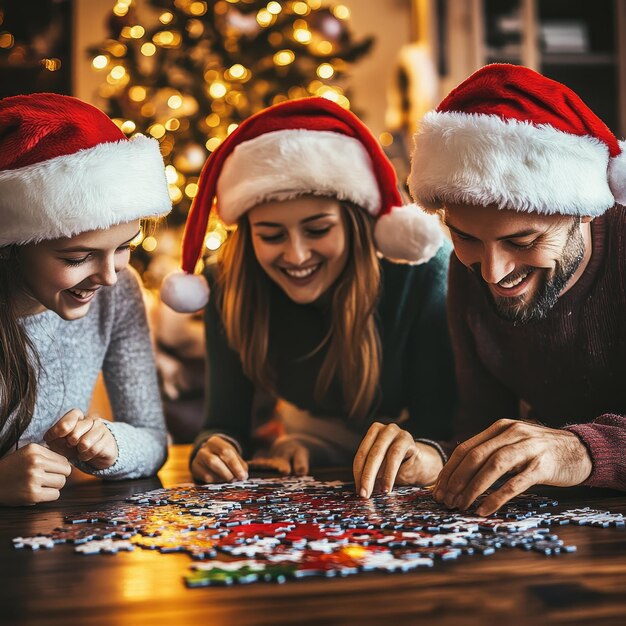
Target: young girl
(73, 189)
(304, 307)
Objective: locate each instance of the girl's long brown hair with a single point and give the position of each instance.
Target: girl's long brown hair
(353, 353)
(18, 360)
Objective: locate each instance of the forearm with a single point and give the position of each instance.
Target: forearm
(605, 440)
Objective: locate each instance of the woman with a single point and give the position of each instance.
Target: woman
(304, 308)
(73, 189)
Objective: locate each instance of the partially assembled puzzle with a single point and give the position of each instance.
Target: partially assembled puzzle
(276, 530)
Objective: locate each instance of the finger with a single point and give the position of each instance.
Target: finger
(235, 464)
(502, 461)
(375, 459)
(93, 449)
(511, 488)
(81, 428)
(64, 426)
(46, 494)
(212, 466)
(53, 480)
(398, 452)
(92, 436)
(461, 451)
(361, 456)
(300, 461)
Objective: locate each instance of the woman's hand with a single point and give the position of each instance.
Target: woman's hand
(388, 455)
(32, 474)
(83, 439)
(218, 461)
(293, 453)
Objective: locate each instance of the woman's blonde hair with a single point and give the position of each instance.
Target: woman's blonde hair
(353, 344)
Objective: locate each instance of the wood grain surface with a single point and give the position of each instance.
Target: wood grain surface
(62, 588)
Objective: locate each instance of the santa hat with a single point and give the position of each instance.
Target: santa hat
(66, 168)
(511, 137)
(298, 147)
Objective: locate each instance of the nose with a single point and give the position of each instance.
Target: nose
(107, 272)
(296, 250)
(495, 264)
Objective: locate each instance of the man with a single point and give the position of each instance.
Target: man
(530, 184)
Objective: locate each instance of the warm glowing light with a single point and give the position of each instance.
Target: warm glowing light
(166, 18)
(197, 8)
(213, 143)
(217, 90)
(191, 190)
(284, 57)
(157, 130)
(341, 12)
(302, 35)
(6, 40)
(212, 120)
(176, 195)
(237, 71)
(325, 70)
(171, 174)
(300, 8)
(314, 4)
(128, 127)
(274, 8)
(137, 32)
(137, 93)
(385, 138)
(149, 244)
(231, 128)
(137, 240)
(52, 65)
(148, 109)
(174, 102)
(117, 49)
(264, 18)
(100, 62)
(167, 38)
(214, 239)
(120, 9)
(172, 124)
(324, 47)
(148, 49)
(118, 72)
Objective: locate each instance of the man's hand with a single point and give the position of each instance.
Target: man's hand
(32, 474)
(389, 455)
(83, 439)
(536, 454)
(218, 461)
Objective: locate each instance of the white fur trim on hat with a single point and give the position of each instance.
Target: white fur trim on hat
(617, 175)
(285, 164)
(91, 189)
(483, 159)
(409, 235)
(185, 293)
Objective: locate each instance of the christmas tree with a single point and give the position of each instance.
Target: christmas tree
(189, 78)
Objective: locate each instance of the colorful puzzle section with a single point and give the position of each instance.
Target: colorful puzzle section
(275, 530)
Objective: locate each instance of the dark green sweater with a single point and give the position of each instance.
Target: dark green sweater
(417, 371)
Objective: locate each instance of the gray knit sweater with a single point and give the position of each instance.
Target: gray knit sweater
(113, 338)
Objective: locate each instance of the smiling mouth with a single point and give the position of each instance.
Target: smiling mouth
(511, 287)
(302, 273)
(82, 294)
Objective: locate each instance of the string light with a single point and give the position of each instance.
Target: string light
(166, 18)
(217, 90)
(274, 8)
(213, 143)
(325, 70)
(385, 138)
(300, 8)
(174, 102)
(341, 12)
(265, 18)
(284, 57)
(148, 49)
(198, 8)
(100, 62)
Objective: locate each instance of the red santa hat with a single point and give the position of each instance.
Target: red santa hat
(511, 137)
(298, 147)
(66, 168)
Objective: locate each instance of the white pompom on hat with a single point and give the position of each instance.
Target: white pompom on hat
(66, 168)
(308, 146)
(511, 137)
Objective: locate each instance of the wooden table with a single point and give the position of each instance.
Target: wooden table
(61, 588)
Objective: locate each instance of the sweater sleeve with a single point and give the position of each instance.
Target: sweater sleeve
(131, 381)
(605, 439)
(432, 386)
(228, 391)
(482, 398)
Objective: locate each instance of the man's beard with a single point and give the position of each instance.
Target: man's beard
(551, 283)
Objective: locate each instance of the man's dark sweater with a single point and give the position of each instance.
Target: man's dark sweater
(567, 370)
(417, 367)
